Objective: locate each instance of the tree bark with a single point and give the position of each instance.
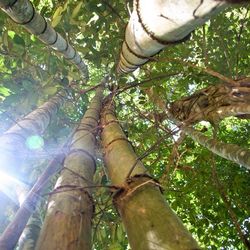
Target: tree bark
(149, 221)
(23, 12)
(13, 142)
(220, 99)
(67, 224)
(31, 232)
(228, 151)
(156, 24)
(10, 236)
(213, 104)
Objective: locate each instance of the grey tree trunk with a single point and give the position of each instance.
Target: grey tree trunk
(149, 221)
(67, 224)
(154, 25)
(228, 151)
(13, 146)
(24, 13)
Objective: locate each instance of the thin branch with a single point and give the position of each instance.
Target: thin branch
(114, 11)
(228, 205)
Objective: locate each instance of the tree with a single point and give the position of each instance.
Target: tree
(208, 193)
(24, 13)
(15, 141)
(149, 221)
(12, 233)
(157, 24)
(71, 206)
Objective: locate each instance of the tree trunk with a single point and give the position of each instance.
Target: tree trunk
(149, 221)
(31, 232)
(221, 99)
(24, 13)
(228, 151)
(67, 224)
(10, 236)
(156, 24)
(213, 104)
(13, 142)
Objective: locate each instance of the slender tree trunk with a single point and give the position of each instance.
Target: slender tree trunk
(149, 221)
(24, 13)
(67, 224)
(10, 236)
(31, 232)
(228, 151)
(154, 25)
(14, 150)
(231, 152)
(13, 146)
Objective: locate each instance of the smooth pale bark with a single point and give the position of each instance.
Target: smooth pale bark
(149, 221)
(23, 12)
(67, 224)
(228, 151)
(10, 236)
(213, 104)
(13, 146)
(240, 110)
(154, 25)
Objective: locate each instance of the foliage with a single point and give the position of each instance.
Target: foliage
(200, 187)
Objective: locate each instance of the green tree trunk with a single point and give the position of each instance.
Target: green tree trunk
(13, 146)
(67, 224)
(149, 221)
(24, 13)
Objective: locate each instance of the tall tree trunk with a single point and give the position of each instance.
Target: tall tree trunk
(24, 13)
(13, 142)
(10, 236)
(156, 24)
(149, 221)
(67, 224)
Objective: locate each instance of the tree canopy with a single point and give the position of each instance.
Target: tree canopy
(209, 193)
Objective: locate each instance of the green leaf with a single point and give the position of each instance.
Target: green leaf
(18, 40)
(7, 41)
(57, 16)
(4, 91)
(115, 246)
(76, 10)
